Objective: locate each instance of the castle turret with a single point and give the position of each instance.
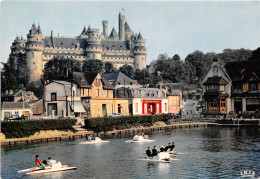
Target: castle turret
(93, 48)
(83, 34)
(18, 49)
(128, 32)
(139, 52)
(105, 28)
(34, 50)
(121, 27)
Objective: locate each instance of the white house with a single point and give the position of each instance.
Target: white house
(58, 101)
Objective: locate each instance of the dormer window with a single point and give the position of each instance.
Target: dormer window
(81, 79)
(215, 70)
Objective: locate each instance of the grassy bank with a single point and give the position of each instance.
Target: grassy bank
(19, 129)
(105, 124)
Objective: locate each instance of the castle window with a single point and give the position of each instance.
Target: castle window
(34, 63)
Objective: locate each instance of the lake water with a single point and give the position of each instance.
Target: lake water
(209, 152)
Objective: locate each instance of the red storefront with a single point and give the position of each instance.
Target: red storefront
(152, 106)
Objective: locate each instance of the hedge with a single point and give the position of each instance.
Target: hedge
(103, 124)
(19, 129)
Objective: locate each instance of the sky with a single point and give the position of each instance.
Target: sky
(169, 27)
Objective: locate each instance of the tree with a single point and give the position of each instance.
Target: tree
(9, 75)
(255, 54)
(92, 66)
(143, 76)
(176, 57)
(127, 70)
(109, 67)
(230, 55)
(55, 68)
(22, 70)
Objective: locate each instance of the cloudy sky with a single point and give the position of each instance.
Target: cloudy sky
(170, 27)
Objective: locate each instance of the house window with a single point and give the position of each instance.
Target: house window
(252, 86)
(53, 97)
(136, 107)
(165, 104)
(119, 108)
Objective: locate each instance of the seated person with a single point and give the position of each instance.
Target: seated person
(154, 151)
(148, 152)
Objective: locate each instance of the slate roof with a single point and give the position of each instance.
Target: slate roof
(241, 71)
(80, 79)
(118, 78)
(105, 83)
(174, 86)
(215, 80)
(113, 34)
(15, 105)
(114, 45)
(63, 42)
(127, 27)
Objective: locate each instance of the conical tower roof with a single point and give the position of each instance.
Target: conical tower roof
(140, 37)
(84, 31)
(113, 34)
(127, 27)
(39, 30)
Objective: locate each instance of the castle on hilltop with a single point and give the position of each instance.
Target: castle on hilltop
(126, 47)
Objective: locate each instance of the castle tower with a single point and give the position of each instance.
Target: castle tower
(139, 52)
(105, 28)
(34, 50)
(18, 49)
(121, 27)
(93, 48)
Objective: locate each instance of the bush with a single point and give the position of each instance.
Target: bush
(110, 123)
(19, 129)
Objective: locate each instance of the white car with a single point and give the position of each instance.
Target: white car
(115, 115)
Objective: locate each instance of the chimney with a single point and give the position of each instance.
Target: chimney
(51, 33)
(105, 28)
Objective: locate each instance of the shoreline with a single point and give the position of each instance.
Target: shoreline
(55, 135)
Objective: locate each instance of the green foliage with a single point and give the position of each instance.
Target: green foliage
(55, 69)
(143, 76)
(36, 90)
(19, 129)
(109, 67)
(9, 75)
(255, 54)
(127, 70)
(92, 66)
(108, 124)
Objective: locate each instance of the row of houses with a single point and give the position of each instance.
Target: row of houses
(233, 88)
(95, 96)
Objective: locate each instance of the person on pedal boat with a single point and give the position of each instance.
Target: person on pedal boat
(154, 151)
(162, 149)
(172, 146)
(168, 148)
(51, 162)
(148, 152)
(37, 161)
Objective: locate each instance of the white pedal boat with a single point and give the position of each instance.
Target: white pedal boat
(48, 169)
(138, 139)
(162, 157)
(96, 141)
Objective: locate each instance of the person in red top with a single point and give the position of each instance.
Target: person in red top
(37, 160)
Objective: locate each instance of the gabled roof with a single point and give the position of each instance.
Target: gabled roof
(118, 78)
(215, 80)
(105, 83)
(15, 105)
(243, 70)
(80, 79)
(63, 42)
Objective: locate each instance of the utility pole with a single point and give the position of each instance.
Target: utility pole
(71, 87)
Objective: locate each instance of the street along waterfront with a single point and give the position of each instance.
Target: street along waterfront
(208, 152)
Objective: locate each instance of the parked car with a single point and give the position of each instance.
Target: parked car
(115, 115)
